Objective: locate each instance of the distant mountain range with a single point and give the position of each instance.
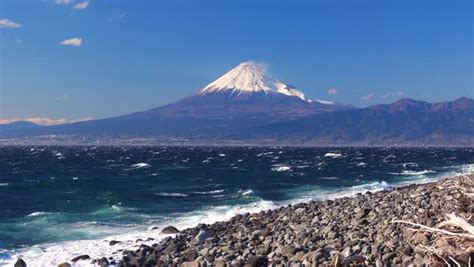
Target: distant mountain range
(246, 106)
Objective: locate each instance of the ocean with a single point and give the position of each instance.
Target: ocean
(60, 202)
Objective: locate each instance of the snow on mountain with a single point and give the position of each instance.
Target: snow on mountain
(250, 77)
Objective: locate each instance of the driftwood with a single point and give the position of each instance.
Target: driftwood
(459, 222)
(454, 236)
(431, 229)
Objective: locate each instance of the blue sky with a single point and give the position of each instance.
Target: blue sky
(126, 56)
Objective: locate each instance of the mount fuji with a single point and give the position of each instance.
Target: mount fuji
(247, 106)
(244, 97)
(247, 93)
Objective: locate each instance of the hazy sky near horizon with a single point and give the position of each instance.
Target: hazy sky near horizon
(70, 59)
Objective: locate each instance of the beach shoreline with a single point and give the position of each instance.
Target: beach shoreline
(370, 228)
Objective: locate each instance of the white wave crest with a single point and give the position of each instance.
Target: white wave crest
(332, 155)
(245, 192)
(329, 178)
(416, 173)
(281, 168)
(38, 213)
(209, 192)
(164, 194)
(140, 165)
(54, 253)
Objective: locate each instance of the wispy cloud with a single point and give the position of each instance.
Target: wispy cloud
(6, 23)
(72, 42)
(62, 2)
(81, 5)
(392, 95)
(332, 91)
(368, 97)
(46, 120)
(117, 17)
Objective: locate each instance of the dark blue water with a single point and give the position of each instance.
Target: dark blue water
(57, 194)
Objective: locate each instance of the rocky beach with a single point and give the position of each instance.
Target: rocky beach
(416, 225)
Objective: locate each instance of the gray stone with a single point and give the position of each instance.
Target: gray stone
(347, 252)
(169, 230)
(20, 263)
(256, 261)
(407, 260)
(300, 210)
(113, 242)
(190, 264)
(286, 251)
(81, 257)
(389, 256)
(201, 237)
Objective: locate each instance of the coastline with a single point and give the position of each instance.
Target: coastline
(359, 229)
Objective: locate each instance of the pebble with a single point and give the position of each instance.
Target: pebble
(353, 230)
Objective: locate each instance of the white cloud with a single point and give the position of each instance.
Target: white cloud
(332, 91)
(367, 97)
(6, 23)
(392, 95)
(117, 17)
(72, 42)
(81, 5)
(45, 120)
(62, 2)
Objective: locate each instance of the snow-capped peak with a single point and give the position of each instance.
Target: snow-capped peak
(250, 77)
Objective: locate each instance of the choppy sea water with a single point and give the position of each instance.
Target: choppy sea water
(60, 202)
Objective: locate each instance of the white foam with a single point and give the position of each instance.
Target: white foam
(164, 194)
(209, 192)
(412, 164)
(329, 178)
(54, 253)
(467, 169)
(116, 208)
(281, 168)
(332, 155)
(207, 160)
(321, 194)
(4, 184)
(416, 173)
(245, 192)
(140, 165)
(38, 213)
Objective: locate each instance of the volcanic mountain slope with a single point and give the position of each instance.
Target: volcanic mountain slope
(18, 125)
(405, 122)
(244, 97)
(245, 92)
